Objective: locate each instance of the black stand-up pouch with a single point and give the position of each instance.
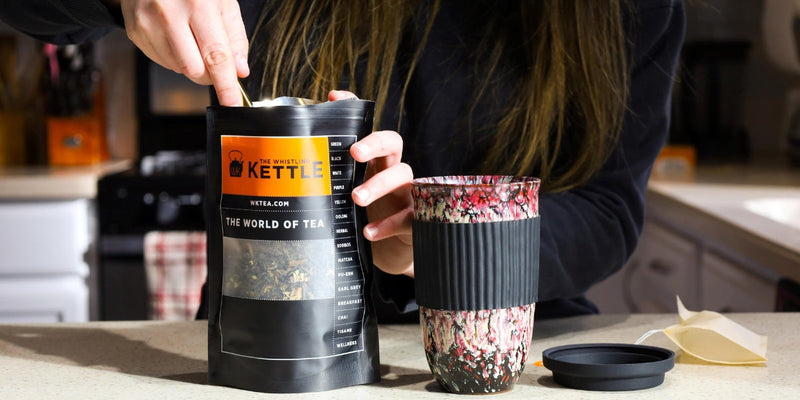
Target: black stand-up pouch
(289, 272)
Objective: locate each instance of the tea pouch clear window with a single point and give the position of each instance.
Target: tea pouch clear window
(289, 270)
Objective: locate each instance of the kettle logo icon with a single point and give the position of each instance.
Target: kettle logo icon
(236, 166)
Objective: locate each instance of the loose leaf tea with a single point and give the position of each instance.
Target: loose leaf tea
(278, 270)
(289, 273)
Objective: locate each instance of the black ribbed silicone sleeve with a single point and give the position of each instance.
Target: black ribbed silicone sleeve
(478, 266)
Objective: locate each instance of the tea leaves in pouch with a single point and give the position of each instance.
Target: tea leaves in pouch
(289, 271)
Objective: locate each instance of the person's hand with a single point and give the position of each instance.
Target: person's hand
(202, 39)
(386, 193)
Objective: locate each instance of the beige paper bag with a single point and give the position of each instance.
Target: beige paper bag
(712, 337)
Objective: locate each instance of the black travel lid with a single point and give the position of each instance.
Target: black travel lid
(608, 366)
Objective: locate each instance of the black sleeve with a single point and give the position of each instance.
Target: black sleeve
(588, 233)
(61, 21)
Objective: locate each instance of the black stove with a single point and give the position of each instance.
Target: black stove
(158, 194)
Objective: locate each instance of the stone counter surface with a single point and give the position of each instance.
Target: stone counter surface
(167, 360)
(733, 218)
(52, 183)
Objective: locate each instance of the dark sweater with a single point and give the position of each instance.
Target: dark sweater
(586, 233)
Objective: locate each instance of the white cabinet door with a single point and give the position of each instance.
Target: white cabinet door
(44, 299)
(728, 288)
(44, 237)
(667, 267)
(43, 268)
(664, 265)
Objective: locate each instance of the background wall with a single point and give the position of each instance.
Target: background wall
(762, 91)
(117, 60)
(764, 88)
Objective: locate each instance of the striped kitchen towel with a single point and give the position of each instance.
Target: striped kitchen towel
(175, 265)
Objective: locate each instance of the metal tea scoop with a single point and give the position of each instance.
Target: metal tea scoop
(245, 99)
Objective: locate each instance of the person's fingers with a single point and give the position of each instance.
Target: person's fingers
(187, 57)
(137, 26)
(393, 225)
(380, 144)
(237, 36)
(394, 255)
(384, 183)
(161, 32)
(215, 50)
(334, 95)
(204, 40)
(151, 51)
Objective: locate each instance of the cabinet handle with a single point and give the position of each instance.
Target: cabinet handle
(661, 267)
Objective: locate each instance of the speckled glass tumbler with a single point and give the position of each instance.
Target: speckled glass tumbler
(476, 263)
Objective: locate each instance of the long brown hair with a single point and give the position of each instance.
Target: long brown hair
(563, 119)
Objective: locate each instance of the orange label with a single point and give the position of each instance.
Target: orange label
(275, 166)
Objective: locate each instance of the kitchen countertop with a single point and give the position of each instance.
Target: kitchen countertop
(51, 183)
(155, 360)
(751, 212)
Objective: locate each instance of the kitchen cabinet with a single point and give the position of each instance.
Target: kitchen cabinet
(48, 256)
(44, 268)
(662, 267)
(700, 242)
(667, 264)
(729, 288)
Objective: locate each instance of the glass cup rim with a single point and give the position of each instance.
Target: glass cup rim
(474, 180)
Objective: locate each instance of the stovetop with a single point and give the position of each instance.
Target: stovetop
(162, 192)
(171, 163)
